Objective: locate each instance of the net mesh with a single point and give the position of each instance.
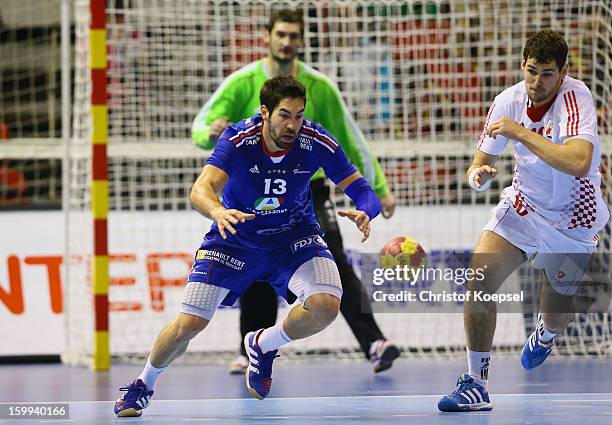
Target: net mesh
(29, 101)
(418, 78)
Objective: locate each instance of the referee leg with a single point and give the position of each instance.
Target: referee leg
(258, 309)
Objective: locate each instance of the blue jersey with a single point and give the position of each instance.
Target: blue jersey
(274, 186)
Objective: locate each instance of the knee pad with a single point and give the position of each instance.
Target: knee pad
(202, 299)
(319, 275)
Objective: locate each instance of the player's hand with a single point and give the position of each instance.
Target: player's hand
(387, 204)
(483, 174)
(506, 127)
(216, 128)
(226, 219)
(361, 219)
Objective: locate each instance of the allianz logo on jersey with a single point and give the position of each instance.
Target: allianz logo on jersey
(309, 241)
(267, 204)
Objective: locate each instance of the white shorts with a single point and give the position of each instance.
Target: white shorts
(319, 275)
(563, 254)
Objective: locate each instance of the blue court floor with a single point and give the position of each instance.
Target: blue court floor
(560, 392)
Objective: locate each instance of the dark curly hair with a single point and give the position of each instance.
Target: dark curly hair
(278, 88)
(544, 46)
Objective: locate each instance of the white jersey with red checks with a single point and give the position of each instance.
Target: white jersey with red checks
(565, 201)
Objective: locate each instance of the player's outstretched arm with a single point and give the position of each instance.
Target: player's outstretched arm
(204, 199)
(481, 171)
(366, 202)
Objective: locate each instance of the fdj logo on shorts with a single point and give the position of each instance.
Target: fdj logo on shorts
(310, 240)
(267, 204)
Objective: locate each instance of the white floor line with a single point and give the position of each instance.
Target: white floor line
(253, 400)
(275, 417)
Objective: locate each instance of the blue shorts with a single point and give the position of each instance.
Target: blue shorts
(233, 266)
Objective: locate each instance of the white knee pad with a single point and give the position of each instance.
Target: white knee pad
(202, 299)
(319, 275)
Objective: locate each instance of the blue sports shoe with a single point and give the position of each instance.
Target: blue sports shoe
(259, 372)
(468, 397)
(535, 351)
(136, 398)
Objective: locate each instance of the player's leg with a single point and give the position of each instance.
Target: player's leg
(497, 258)
(317, 285)
(258, 309)
(355, 305)
(564, 256)
(200, 301)
(557, 311)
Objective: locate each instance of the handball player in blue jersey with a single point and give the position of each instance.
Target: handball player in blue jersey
(264, 229)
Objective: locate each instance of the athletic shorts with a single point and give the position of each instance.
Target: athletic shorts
(563, 254)
(235, 267)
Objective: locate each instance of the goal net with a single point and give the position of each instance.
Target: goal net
(418, 78)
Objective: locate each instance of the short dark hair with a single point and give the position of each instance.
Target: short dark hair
(278, 88)
(286, 15)
(544, 46)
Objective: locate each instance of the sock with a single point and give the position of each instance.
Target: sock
(273, 338)
(375, 346)
(479, 362)
(545, 336)
(150, 373)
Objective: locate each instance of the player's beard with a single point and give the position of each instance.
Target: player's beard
(278, 140)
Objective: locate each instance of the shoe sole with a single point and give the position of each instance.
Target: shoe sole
(482, 407)
(386, 359)
(129, 413)
(246, 373)
(530, 364)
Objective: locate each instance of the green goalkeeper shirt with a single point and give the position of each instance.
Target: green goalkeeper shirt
(238, 98)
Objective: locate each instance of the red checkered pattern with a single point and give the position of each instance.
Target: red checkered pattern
(516, 179)
(585, 207)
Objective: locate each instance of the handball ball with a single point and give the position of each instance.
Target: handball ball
(402, 251)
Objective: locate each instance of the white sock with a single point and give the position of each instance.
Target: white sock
(273, 338)
(150, 373)
(545, 335)
(479, 362)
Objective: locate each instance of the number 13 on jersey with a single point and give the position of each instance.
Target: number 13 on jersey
(277, 186)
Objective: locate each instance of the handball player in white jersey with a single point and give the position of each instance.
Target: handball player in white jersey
(551, 213)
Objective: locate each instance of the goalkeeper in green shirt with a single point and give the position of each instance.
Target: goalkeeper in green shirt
(238, 98)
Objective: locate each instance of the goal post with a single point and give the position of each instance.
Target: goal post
(418, 78)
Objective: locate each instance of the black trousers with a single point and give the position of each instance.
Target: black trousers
(259, 306)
